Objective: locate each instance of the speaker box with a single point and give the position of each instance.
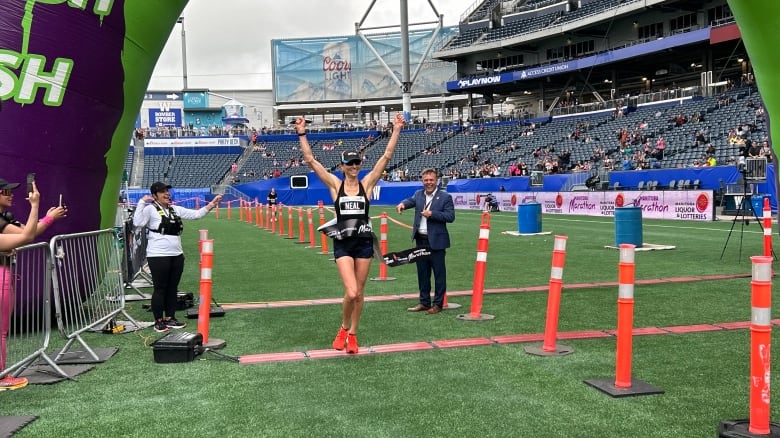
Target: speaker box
(177, 347)
(299, 182)
(184, 300)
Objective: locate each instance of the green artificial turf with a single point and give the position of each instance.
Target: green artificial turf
(484, 391)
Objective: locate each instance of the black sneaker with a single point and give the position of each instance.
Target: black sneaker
(160, 326)
(174, 324)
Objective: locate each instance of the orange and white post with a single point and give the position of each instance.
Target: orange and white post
(290, 223)
(479, 273)
(312, 240)
(301, 231)
(760, 343)
(767, 228)
(204, 305)
(383, 247)
(549, 346)
(280, 212)
(323, 237)
(625, 323)
(758, 424)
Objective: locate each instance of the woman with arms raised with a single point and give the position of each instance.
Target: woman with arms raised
(353, 242)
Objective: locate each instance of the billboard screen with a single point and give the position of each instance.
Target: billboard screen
(345, 68)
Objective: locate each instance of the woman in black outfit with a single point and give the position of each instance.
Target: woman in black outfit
(353, 242)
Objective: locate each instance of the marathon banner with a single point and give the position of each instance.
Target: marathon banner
(191, 142)
(406, 256)
(695, 205)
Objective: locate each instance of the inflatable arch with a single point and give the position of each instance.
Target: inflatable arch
(72, 78)
(73, 74)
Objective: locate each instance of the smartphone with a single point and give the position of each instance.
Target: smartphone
(30, 179)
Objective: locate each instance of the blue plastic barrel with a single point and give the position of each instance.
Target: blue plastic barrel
(758, 205)
(628, 226)
(529, 218)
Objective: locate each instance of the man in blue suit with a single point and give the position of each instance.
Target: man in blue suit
(433, 209)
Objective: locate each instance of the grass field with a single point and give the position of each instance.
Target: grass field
(485, 391)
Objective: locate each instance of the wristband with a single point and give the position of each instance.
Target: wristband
(301, 134)
(47, 220)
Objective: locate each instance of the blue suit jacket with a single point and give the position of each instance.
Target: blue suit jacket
(442, 211)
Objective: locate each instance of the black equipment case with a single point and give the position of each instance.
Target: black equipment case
(177, 347)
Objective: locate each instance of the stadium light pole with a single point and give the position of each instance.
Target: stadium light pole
(407, 79)
(183, 51)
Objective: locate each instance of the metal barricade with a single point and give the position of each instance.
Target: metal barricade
(755, 169)
(87, 285)
(25, 309)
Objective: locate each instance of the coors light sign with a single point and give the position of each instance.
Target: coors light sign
(337, 70)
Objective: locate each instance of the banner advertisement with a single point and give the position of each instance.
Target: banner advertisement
(189, 142)
(345, 68)
(695, 205)
(169, 117)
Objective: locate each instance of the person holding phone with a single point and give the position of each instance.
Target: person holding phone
(11, 237)
(9, 225)
(353, 247)
(164, 252)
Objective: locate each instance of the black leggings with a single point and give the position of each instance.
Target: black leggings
(166, 273)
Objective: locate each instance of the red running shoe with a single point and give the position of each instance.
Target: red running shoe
(352, 344)
(10, 382)
(341, 339)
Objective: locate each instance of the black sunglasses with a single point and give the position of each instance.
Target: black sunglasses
(6, 192)
(353, 163)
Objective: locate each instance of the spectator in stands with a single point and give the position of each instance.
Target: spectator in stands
(12, 235)
(164, 252)
(753, 149)
(353, 242)
(433, 210)
(766, 151)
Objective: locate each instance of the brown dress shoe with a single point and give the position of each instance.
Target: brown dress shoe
(418, 308)
(434, 310)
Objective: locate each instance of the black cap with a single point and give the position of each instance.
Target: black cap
(159, 187)
(348, 156)
(5, 185)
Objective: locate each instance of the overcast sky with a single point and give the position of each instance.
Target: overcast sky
(229, 41)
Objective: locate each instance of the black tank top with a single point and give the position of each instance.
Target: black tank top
(352, 218)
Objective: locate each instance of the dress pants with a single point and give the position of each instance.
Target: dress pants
(424, 267)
